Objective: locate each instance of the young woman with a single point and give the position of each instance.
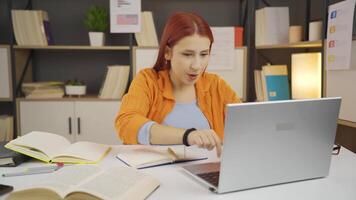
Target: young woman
(176, 101)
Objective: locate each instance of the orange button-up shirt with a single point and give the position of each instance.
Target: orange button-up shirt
(150, 97)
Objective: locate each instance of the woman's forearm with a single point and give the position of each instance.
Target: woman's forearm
(161, 134)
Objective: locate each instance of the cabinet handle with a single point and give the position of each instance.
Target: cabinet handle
(78, 119)
(70, 125)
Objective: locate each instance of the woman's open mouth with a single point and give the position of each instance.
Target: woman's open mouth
(192, 77)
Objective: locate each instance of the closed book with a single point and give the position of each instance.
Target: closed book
(258, 85)
(6, 127)
(9, 158)
(239, 36)
(277, 84)
(121, 82)
(272, 26)
(47, 28)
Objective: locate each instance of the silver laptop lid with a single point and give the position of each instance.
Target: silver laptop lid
(276, 142)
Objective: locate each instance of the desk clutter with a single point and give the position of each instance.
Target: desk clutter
(90, 182)
(75, 179)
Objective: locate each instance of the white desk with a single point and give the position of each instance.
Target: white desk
(176, 184)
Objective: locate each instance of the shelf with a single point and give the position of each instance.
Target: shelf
(313, 44)
(71, 47)
(67, 98)
(346, 123)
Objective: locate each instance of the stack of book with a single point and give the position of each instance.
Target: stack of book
(115, 83)
(6, 128)
(43, 90)
(271, 83)
(9, 158)
(272, 26)
(147, 36)
(31, 27)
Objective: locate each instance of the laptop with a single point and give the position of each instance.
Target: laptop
(269, 143)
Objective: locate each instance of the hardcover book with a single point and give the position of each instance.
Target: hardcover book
(144, 156)
(50, 147)
(89, 182)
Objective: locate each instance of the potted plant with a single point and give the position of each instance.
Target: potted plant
(75, 87)
(97, 22)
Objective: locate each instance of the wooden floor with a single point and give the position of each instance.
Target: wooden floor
(346, 137)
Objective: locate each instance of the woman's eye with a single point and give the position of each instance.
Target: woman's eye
(187, 54)
(204, 54)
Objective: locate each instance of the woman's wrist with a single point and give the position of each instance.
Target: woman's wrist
(186, 135)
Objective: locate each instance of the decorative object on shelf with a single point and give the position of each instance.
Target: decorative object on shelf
(315, 30)
(97, 21)
(306, 75)
(295, 34)
(75, 87)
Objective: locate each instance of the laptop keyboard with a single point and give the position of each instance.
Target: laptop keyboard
(211, 177)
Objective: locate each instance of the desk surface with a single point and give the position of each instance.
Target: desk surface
(176, 184)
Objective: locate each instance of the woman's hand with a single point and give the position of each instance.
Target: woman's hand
(207, 139)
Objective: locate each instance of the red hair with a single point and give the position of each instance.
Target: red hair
(178, 26)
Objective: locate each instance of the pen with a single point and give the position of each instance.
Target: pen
(35, 170)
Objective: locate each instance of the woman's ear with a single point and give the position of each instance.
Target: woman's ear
(168, 53)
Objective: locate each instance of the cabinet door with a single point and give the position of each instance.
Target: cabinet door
(50, 116)
(95, 121)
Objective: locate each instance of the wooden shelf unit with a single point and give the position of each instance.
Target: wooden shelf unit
(72, 47)
(67, 98)
(306, 44)
(346, 123)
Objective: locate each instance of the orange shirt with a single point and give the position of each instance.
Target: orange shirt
(150, 97)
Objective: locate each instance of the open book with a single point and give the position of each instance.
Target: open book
(89, 182)
(141, 156)
(51, 147)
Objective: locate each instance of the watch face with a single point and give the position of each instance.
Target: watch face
(5, 189)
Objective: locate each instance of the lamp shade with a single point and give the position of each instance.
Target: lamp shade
(306, 75)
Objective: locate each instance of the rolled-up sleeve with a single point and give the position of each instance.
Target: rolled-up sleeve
(133, 111)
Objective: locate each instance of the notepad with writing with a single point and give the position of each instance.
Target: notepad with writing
(50, 147)
(144, 156)
(89, 182)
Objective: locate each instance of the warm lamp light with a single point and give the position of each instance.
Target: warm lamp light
(306, 75)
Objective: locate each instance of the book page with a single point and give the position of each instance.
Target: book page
(86, 152)
(118, 183)
(48, 143)
(62, 181)
(141, 155)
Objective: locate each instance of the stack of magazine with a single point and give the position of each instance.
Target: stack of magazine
(36, 90)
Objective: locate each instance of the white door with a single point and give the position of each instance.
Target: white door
(50, 116)
(96, 121)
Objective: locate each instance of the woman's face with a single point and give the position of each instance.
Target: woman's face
(189, 57)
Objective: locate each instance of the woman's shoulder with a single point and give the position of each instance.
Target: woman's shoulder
(147, 74)
(150, 72)
(212, 78)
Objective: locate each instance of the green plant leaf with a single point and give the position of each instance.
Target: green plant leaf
(97, 19)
